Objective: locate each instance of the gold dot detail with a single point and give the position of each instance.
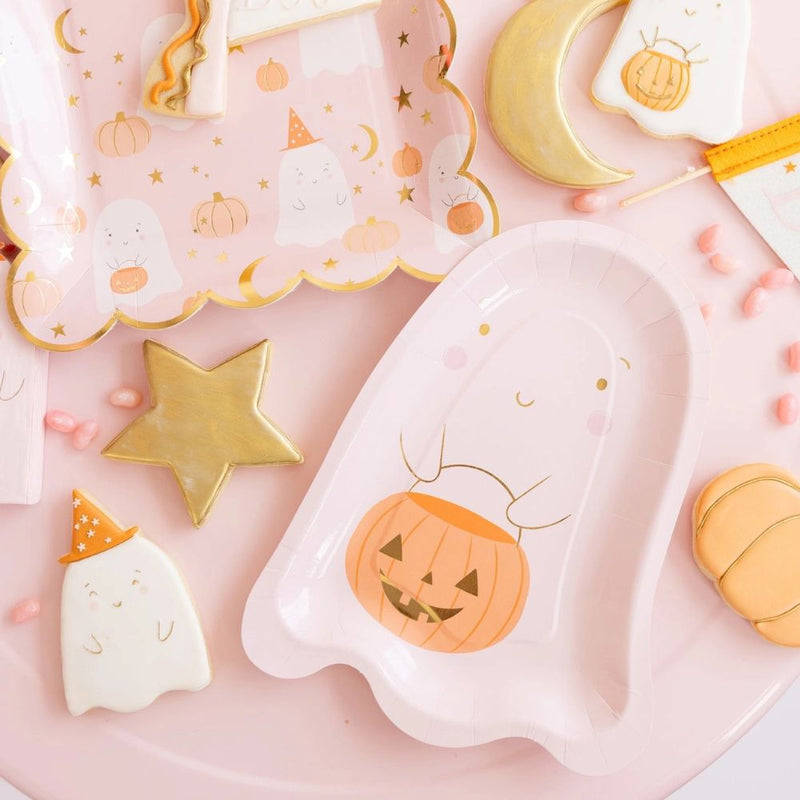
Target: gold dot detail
(484, 329)
(602, 384)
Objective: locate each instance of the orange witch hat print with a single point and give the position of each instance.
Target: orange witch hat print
(299, 135)
(93, 531)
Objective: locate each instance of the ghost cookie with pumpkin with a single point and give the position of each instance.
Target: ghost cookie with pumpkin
(678, 68)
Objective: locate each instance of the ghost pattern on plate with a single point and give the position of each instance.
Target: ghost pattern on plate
(316, 205)
(678, 68)
(131, 257)
(129, 629)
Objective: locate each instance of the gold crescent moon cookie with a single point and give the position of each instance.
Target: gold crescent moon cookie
(523, 93)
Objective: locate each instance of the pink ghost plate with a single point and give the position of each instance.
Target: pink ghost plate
(484, 539)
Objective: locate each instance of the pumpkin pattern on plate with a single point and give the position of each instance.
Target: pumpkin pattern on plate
(122, 136)
(272, 77)
(34, 296)
(374, 236)
(747, 540)
(220, 216)
(465, 218)
(436, 574)
(407, 162)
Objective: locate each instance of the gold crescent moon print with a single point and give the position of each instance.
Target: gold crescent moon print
(59, 34)
(523, 93)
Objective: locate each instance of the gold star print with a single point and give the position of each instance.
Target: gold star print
(119, 57)
(354, 148)
(358, 189)
(156, 176)
(330, 263)
(263, 184)
(403, 99)
(83, 31)
(72, 100)
(87, 75)
(217, 140)
(790, 167)
(222, 257)
(17, 201)
(225, 428)
(426, 117)
(195, 169)
(328, 108)
(414, 10)
(204, 220)
(58, 330)
(403, 37)
(406, 194)
(192, 253)
(94, 180)
(236, 48)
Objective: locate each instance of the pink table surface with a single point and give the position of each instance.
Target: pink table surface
(250, 735)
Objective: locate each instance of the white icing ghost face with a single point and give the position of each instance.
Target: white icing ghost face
(129, 631)
(132, 261)
(678, 68)
(314, 196)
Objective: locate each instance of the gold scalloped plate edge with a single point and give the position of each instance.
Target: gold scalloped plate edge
(252, 298)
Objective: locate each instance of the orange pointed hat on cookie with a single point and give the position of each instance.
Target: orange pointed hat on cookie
(93, 531)
(299, 135)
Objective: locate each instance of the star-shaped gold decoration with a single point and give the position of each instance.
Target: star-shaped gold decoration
(195, 169)
(156, 176)
(426, 117)
(263, 184)
(192, 253)
(222, 257)
(354, 148)
(328, 108)
(403, 99)
(94, 180)
(414, 10)
(236, 48)
(17, 200)
(358, 189)
(406, 194)
(403, 37)
(204, 422)
(330, 263)
(119, 57)
(58, 330)
(217, 140)
(790, 167)
(83, 31)
(87, 74)
(72, 101)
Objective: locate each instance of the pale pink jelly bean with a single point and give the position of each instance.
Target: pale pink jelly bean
(85, 434)
(125, 397)
(725, 264)
(590, 202)
(780, 278)
(709, 239)
(794, 357)
(60, 421)
(788, 409)
(708, 310)
(25, 610)
(756, 302)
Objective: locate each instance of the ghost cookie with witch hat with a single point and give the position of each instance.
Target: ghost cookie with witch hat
(677, 67)
(129, 629)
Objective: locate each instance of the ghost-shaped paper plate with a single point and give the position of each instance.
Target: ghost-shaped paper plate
(127, 214)
(485, 536)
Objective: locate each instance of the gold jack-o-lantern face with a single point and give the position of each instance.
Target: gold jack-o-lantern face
(436, 574)
(656, 80)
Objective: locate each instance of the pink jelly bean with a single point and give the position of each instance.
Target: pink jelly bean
(708, 310)
(794, 357)
(590, 202)
(725, 264)
(755, 303)
(779, 278)
(60, 421)
(788, 409)
(709, 239)
(85, 434)
(25, 610)
(125, 398)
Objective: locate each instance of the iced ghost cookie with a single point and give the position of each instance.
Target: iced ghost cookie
(678, 68)
(129, 629)
(747, 540)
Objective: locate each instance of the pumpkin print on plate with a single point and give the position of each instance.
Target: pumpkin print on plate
(465, 218)
(374, 236)
(34, 296)
(407, 162)
(122, 136)
(220, 216)
(435, 69)
(747, 540)
(272, 77)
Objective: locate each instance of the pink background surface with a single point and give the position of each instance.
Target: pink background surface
(324, 736)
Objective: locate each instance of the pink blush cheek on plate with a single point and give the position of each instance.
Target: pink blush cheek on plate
(599, 423)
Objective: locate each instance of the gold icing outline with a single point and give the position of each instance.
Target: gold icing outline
(252, 298)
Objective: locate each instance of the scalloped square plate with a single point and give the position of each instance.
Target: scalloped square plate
(484, 539)
(123, 214)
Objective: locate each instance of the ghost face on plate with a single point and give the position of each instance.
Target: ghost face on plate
(314, 196)
(132, 261)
